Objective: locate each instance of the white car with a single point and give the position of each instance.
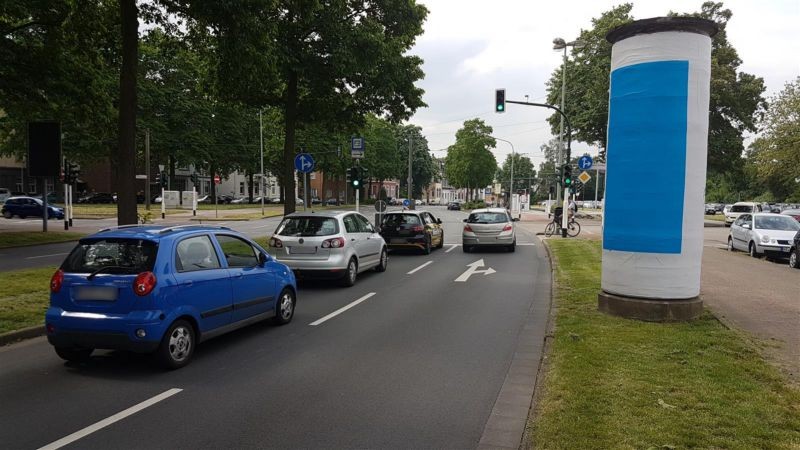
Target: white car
(740, 208)
(763, 234)
(331, 244)
(489, 227)
(5, 194)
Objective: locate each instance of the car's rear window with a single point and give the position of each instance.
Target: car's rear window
(308, 226)
(741, 209)
(120, 256)
(394, 220)
(780, 223)
(488, 217)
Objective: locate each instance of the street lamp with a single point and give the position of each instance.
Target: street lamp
(511, 185)
(561, 44)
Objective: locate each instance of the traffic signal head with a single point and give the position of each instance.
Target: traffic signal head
(500, 100)
(355, 177)
(567, 175)
(163, 179)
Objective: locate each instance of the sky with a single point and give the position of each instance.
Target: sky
(472, 47)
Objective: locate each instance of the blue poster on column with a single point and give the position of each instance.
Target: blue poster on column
(646, 158)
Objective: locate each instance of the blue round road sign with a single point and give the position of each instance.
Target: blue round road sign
(304, 163)
(585, 163)
(406, 202)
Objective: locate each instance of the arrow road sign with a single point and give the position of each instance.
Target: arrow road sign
(304, 163)
(585, 163)
(473, 269)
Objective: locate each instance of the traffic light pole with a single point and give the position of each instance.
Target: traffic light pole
(566, 120)
(147, 170)
(163, 204)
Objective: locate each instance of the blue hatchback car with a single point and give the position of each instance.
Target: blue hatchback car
(163, 290)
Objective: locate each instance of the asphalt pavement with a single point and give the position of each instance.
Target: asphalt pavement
(418, 362)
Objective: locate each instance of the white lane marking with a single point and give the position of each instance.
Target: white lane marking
(419, 268)
(526, 243)
(110, 420)
(451, 248)
(46, 256)
(341, 310)
(473, 269)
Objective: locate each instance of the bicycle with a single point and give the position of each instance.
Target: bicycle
(573, 227)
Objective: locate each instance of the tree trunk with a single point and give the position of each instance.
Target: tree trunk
(250, 187)
(126, 156)
(288, 144)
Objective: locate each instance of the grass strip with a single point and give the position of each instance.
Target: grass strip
(10, 239)
(618, 383)
(717, 217)
(24, 297)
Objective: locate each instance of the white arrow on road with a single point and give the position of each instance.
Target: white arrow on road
(473, 269)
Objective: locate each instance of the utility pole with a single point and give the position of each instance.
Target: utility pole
(261, 136)
(411, 203)
(561, 123)
(147, 169)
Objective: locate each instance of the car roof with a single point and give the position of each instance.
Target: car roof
(406, 211)
(766, 214)
(329, 213)
(153, 232)
(492, 210)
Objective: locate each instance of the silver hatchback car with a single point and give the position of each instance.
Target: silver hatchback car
(489, 227)
(331, 244)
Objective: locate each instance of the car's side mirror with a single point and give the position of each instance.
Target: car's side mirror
(262, 259)
(439, 221)
(465, 220)
(515, 219)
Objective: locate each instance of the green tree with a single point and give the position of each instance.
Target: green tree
(524, 173)
(320, 62)
(423, 169)
(469, 162)
(735, 103)
(775, 155)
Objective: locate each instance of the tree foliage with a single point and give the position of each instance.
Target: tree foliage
(524, 172)
(423, 169)
(469, 162)
(775, 155)
(736, 97)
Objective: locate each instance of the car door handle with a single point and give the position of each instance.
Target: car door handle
(187, 283)
(237, 275)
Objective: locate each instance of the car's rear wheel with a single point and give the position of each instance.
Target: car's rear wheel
(441, 240)
(177, 345)
(730, 244)
(74, 354)
(384, 261)
(794, 259)
(8, 215)
(350, 274)
(513, 246)
(284, 309)
(22, 216)
(466, 248)
(753, 251)
(427, 248)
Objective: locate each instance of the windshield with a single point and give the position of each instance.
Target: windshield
(129, 256)
(308, 226)
(488, 217)
(396, 220)
(741, 208)
(780, 223)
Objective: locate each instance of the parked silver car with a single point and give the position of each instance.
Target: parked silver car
(331, 244)
(489, 227)
(763, 233)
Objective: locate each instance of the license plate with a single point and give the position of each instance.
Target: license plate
(302, 250)
(398, 241)
(96, 293)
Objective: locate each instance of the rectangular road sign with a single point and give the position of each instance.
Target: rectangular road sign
(357, 147)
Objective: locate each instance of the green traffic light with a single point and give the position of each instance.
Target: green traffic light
(568, 181)
(499, 107)
(355, 182)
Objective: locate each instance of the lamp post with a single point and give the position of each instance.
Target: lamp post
(561, 44)
(261, 138)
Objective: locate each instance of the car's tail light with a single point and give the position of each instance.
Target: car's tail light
(56, 281)
(468, 228)
(507, 228)
(144, 283)
(333, 243)
(417, 228)
(275, 242)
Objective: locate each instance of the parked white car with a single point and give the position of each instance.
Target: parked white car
(763, 234)
(740, 208)
(4, 195)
